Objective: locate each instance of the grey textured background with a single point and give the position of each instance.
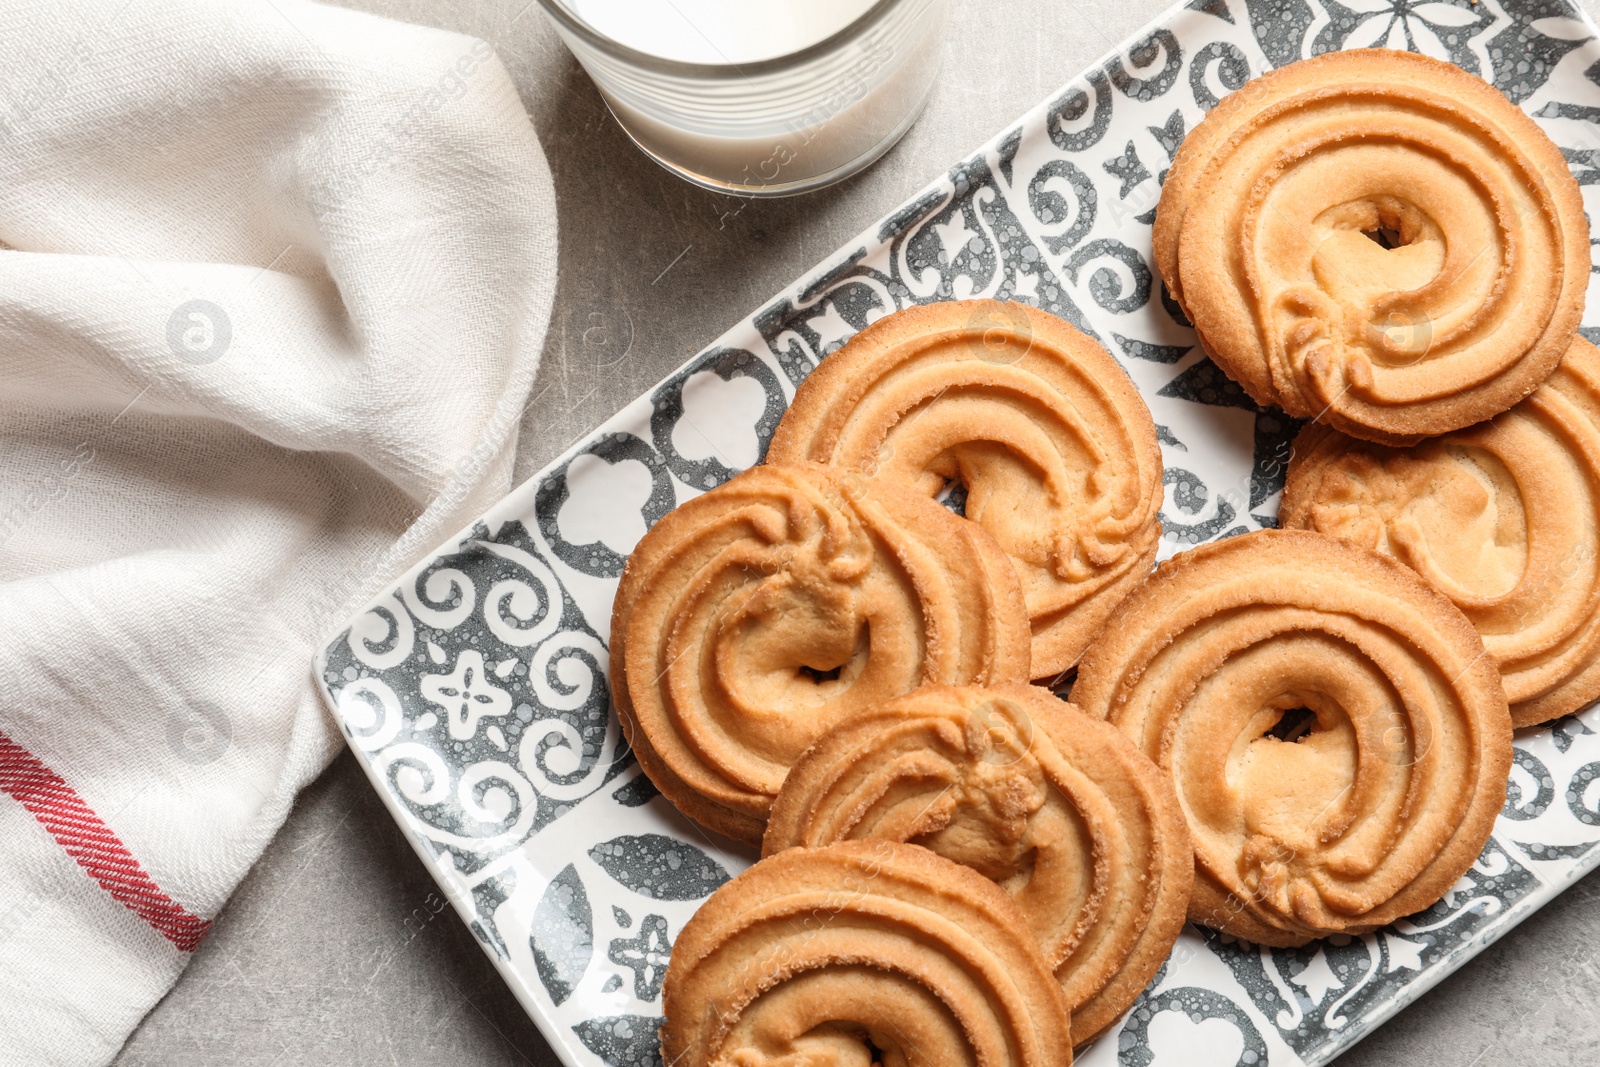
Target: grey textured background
(337, 948)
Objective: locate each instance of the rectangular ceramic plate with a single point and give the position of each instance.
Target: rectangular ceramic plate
(475, 691)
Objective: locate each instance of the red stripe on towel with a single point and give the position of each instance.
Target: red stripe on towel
(98, 850)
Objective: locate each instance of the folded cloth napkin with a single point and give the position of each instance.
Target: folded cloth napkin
(274, 280)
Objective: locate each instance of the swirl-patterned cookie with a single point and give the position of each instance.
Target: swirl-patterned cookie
(1337, 735)
(1503, 518)
(752, 618)
(1053, 444)
(1057, 808)
(860, 953)
(1376, 240)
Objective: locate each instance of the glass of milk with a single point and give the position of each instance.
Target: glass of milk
(758, 97)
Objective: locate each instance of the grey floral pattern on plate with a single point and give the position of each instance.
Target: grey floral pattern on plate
(476, 690)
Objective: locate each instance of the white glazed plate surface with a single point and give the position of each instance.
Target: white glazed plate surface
(475, 692)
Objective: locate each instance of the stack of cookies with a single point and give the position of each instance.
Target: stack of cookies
(819, 658)
(1285, 735)
(1384, 244)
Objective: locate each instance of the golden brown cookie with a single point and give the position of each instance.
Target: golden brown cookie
(821, 956)
(1052, 442)
(752, 618)
(1376, 240)
(1059, 809)
(1337, 734)
(1503, 518)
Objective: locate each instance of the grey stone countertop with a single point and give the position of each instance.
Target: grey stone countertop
(337, 948)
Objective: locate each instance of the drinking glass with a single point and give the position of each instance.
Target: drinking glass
(782, 123)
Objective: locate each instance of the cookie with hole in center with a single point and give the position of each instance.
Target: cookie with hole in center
(753, 617)
(1336, 733)
(1376, 240)
(1057, 808)
(1050, 441)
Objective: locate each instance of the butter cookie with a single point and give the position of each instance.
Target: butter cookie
(1337, 735)
(861, 953)
(1050, 440)
(752, 618)
(1059, 809)
(1503, 518)
(1376, 240)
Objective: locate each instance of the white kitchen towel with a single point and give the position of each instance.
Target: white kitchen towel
(274, 280)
